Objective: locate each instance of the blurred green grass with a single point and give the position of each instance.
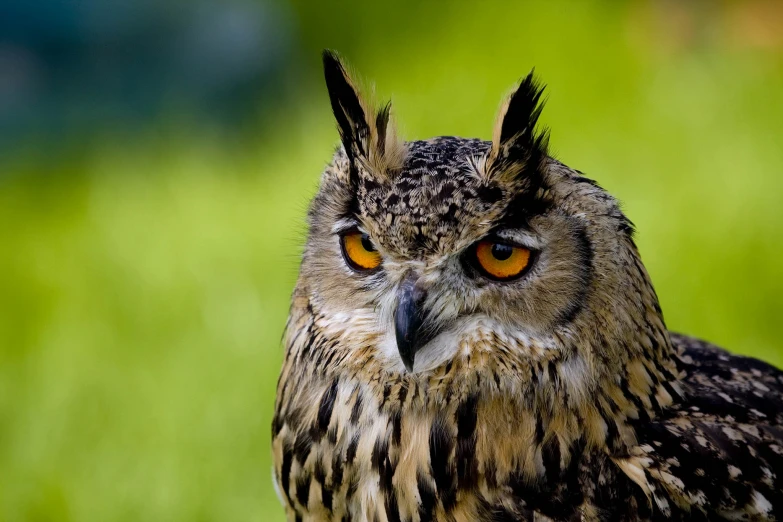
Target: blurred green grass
(144, 284)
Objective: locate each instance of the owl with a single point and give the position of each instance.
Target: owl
(474, 337)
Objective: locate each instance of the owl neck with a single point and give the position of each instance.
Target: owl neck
(570, 398)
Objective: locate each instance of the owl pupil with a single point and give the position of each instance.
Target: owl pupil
(501, 252)
(367, 244)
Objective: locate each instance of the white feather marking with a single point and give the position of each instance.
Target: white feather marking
(277, 488)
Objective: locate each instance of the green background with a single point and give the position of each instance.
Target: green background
(145, 276)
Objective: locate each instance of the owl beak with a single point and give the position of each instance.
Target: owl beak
(408, 319)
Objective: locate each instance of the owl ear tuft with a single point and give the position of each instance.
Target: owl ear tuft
(517, 146)
(371, 141)
(346, 106)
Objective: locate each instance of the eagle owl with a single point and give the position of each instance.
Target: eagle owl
(473, 336)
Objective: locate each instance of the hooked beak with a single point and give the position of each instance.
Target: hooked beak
(408, 320)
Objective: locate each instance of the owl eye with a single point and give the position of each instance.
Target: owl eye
(359, 252)
(501, 261)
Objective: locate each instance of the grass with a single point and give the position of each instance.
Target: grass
(143, 303)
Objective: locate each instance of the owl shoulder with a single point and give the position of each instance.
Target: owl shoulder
(719, 452)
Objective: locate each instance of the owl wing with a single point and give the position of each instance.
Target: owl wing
(720, 454)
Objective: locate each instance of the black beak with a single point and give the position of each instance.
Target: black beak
(408, 320)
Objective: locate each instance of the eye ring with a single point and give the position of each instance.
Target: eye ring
(500, 260)
(359, 252)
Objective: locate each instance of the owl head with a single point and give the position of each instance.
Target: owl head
(487, 254)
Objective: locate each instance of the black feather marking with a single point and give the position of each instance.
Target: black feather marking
(303, 488)
(318, 471)
(302, 446)
(386, 393)
(379, 453)
(550, 453)
(337, 470)
(490, 473)
(326, 497)
(402, 393)
(319, 474)
(440, 462)
(396, 420)
(357, 407)
(331, 435)
(467, 467)
(523, 111)
(347, 108)
(539, 434)
(583, 270)
(326, 407)
(285, 470)
(612, 433)
(353, 446)
(428, 498)
(381, 126)
(306, 348)
(523, 207)
(392, 509)
(277, 424)
(382, 463)
(627, 227)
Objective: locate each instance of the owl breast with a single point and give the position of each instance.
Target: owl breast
(377, 446)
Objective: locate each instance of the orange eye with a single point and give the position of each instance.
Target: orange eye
(359, 252)
(501, 261)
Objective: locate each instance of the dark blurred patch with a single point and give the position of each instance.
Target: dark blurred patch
(74, 67)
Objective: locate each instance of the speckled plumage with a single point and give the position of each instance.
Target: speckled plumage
(560, 395)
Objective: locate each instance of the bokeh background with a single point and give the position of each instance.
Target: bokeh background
(156, 160)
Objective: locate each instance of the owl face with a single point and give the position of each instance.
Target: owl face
(420, 250)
